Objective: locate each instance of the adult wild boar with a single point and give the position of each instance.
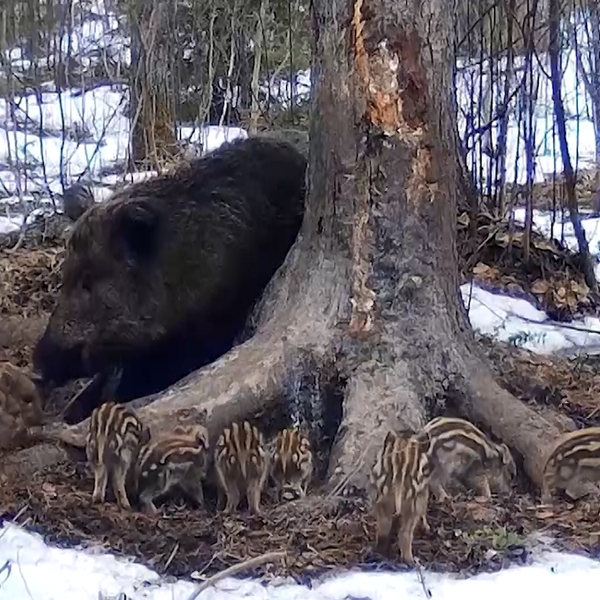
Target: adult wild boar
(160, 278)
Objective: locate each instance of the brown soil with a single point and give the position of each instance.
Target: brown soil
(319, 534)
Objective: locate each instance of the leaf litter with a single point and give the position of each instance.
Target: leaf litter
(318, 534)
(321, 534)
(492, 254)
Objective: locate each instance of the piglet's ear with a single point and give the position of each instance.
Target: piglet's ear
(138, 227)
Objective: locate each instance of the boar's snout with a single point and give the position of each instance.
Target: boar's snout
(55, 365)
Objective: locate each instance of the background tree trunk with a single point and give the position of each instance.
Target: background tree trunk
(554, 49)
(152, 111)
(363, 328)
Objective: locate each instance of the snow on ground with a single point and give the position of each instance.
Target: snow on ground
(29, 569)
(562, 229)
(518, 321)
(8, 224)
(13, 221)
(282, 90)
(85, 134)
(210, 137)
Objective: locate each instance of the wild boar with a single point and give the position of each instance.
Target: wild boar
(241, 466)
(114, 439)
(160, 279)
(401, 477)
(291, 464)
(20, 407)
(459, 450)
(573, 465)
(179, 460)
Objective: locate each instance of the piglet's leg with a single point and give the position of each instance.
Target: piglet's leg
(193, 489)
(406, 536)
(120, 475)
(483, 486)
(100, 483)
(438, 491)
(147, 502)
(233, 498)
(253, 495)
(386, 528)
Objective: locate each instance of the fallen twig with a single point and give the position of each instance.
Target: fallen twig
(422, 582)
(75, 397)
(251, 563)
(22, 233)
(171, 556)
(23, 577)
(198, 574)
(16, 518)
(8, 568)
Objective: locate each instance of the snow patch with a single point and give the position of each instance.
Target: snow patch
(31, 569)
(516, 320)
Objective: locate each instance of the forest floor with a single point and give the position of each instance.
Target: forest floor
(319, 533)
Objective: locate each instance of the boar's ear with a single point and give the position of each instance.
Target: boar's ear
(138, 224)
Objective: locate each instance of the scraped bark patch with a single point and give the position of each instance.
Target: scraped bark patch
(414, 105)
(423, 184)
(394, 84)
(377, 70)
(363, 297)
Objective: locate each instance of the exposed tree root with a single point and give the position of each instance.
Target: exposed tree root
(524, 430)
(245, 382)
(376, 400)
(248, 382)
(32, 460)
(261, 379)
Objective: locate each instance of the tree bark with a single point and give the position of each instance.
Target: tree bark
(368, 297)
(152, 112)
(259, 36)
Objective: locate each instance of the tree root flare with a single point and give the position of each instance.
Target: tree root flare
(377, 399)
(247, 382)
(522, 429)
(380, 398)
(250, 382)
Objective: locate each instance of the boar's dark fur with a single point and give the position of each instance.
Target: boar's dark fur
(161, 278)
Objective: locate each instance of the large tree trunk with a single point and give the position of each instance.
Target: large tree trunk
(368, 296)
